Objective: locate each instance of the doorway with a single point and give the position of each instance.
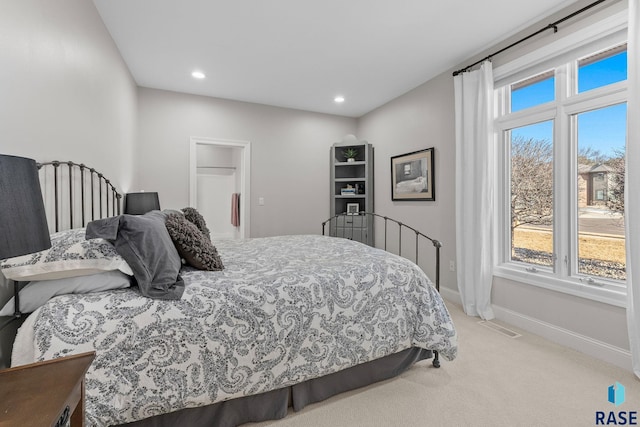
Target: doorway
(220, 169)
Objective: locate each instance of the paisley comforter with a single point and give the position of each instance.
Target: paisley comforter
(284, 310)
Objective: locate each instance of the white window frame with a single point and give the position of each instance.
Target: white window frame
(561, 55)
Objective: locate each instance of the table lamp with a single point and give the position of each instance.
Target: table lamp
(141, 203)
(23, 220)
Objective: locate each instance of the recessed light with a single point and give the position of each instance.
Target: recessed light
(339, 99)
(198, 75)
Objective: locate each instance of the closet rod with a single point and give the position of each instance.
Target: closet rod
(553, 25)
(216, 167)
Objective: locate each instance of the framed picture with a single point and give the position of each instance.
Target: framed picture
(353, 208)
(412, 176)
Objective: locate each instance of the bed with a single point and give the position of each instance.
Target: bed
(287, 321)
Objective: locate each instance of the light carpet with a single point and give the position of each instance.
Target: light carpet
(494, 381)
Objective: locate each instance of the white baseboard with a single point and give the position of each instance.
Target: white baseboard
(589, 346)
(450, 295)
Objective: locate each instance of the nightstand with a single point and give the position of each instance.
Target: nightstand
(48, 393)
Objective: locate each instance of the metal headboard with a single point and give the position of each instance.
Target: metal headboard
(77, 194)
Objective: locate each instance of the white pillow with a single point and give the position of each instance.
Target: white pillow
(70, 255)
(37, 293)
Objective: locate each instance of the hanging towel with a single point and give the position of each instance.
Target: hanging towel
(235, 209)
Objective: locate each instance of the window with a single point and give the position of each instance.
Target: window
(601, 146)
(602, 68)
(532, 193)
(562, 135)
(533, 91)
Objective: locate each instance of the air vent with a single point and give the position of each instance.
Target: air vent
(501, 329)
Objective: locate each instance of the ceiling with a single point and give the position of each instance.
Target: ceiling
(302, 53)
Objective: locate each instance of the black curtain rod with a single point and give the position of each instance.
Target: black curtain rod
(553, 25)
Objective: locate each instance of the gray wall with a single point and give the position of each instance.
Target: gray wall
(420, 119)
(66, 93)
(289, 154)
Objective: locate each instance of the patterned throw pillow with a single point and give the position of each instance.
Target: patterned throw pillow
(192, 244)
(70, 255)
(192, 215)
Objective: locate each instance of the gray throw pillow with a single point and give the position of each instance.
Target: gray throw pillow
(192, 215)
(144, 242)
(196, 249)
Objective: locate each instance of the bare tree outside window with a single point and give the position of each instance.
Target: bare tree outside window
(531, 182)
(531, 199)
(615, 201)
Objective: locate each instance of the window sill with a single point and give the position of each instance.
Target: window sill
(573, 287)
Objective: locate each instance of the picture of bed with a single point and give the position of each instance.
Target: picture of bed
(412, 176)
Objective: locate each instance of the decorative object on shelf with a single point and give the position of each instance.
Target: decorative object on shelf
(353, 209)
(360, 188)
(350, 154)
(141, 203)
(412, 176)
(349, 190)
(23, 220)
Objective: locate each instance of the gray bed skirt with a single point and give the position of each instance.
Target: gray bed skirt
(274, 404)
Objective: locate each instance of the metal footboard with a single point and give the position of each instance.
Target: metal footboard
(349, 233)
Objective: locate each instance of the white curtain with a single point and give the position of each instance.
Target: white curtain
(632, 184)
(475, 158)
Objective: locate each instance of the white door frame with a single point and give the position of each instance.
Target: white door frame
(245, 176)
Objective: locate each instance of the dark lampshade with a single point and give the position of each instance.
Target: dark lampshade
(141, 203)
(23, 221)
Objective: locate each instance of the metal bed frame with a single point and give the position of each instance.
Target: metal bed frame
(104, 198)
(89, 187)
(333, 221)
(75, 188)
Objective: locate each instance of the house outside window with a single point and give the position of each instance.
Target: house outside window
(561, 131)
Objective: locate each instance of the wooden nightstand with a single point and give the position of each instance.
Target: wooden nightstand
(44, 394)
